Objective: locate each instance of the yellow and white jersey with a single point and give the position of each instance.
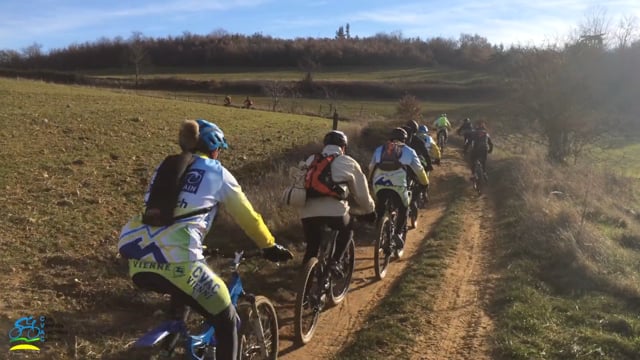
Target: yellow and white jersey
(207, 183)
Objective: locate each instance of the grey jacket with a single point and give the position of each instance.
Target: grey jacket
(344, 169)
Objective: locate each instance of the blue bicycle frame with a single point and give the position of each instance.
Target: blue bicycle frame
(198, 341)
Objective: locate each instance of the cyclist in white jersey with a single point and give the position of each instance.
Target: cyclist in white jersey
(169, 259)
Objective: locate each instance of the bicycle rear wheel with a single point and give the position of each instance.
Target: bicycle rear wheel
(478, 176)
(340, 287)
(382, 249)
(258, 330)
(309, 302)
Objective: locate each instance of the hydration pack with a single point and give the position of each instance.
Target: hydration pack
(318, 180)
(390, 157)
(165, 189)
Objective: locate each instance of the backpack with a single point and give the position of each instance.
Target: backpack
(318, 181)
(164, 192)
(390, 157)
(481, 140)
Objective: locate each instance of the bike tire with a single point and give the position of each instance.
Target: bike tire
(249, 336)
(339, 289)
(478, 177)
(382, 248)
(308, 295)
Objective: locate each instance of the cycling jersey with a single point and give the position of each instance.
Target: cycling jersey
(206, 184)
(442, 122)
(396, 180)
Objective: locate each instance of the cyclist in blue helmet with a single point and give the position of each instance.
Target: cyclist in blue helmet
(169, 259)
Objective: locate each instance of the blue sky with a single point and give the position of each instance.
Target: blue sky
(59, 23)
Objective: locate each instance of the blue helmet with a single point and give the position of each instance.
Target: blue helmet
(423, 129)
(211, 135)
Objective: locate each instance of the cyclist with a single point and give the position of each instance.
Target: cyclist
(324, 210)
(423, 153)
(227, 100)
(481, 145)
(248, 103)
(389, 168)
(169, 259)
(442, 125)
(465, 130)
(429, 144)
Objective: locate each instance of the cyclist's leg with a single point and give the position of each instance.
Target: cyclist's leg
(483, 161)
(312, 229)
(343, 225)
(197, 286)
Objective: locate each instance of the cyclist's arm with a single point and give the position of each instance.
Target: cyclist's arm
(242, 212)
(436, 150)
(417, 168)
(358, 186)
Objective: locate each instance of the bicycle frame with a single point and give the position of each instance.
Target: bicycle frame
(206, 338)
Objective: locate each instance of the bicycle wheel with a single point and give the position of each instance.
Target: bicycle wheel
(250, 336)
(309, 302)
(340, 287)
(382, 249)
(478, 177)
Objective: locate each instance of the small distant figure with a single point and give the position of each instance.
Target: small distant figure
(335, 119)
(227, 100)
(248, 103)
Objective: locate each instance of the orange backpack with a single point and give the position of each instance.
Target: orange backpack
(318, 181)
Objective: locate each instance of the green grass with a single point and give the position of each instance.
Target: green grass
(382, 74)
(399, 319)
(74, 164)
(623, 159)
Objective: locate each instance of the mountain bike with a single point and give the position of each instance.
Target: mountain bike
(479, 177)
(385, 245)
(319, 287)
(441, 140)
(258, 325)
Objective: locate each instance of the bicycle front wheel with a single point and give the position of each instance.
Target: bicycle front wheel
(382, 248)
(340, 287)
(309, 302)
(259, 330)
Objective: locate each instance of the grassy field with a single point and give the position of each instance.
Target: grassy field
(570, 243)
(423, 74)
(349, 109)
(75, 162)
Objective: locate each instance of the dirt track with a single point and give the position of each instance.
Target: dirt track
(458, 326)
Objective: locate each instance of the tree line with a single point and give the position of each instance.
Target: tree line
(223, 49)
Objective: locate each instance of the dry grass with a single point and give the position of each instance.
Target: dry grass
(569, 238)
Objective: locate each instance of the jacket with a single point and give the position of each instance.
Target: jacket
(346, 171)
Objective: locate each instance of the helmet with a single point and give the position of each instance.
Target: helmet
(335, 137)
(211, 135)
(411, 127)
(423, 129)
(398, 134)
(467, 120)
(443, 115)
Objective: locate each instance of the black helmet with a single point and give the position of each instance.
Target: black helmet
(335, 137)
(467, 120)
(411, 127)
(399, 134)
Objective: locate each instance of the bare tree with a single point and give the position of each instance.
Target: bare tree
(276, 90)
(626, 32)
(137, 52)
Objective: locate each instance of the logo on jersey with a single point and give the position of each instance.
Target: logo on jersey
(192, 180)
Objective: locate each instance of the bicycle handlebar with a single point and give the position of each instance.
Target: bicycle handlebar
(241, 254)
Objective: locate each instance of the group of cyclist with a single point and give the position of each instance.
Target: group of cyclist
(169, 259)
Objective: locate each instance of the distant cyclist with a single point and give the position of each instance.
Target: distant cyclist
(248, 103)
(481, 145)
(442, 126)
(388, 170)
(465, 130)
(429, 144)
